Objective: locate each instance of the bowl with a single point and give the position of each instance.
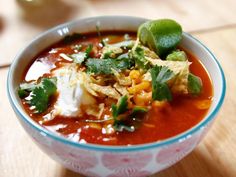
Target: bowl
(107, 161)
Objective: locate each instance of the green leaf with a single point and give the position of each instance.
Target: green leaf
(39, 100)
(161, 35)
(71, 38)
(194, 84)
(105, 66)
(137, 110)
(39, 94)
(137, 54)
(88, 50)
(121, 107)
(80, 57)
(25, 89)
(129, 121)
(22, 93)
(160, 76)
(177, 56)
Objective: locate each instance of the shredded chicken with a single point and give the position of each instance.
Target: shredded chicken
(96, 89)
(122, 79)
(121, 89)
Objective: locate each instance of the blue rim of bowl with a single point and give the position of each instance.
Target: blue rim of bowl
(147, 146)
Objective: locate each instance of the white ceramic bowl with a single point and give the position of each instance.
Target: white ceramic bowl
(96, 160)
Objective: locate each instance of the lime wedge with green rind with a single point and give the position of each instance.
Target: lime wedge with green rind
(162, 35)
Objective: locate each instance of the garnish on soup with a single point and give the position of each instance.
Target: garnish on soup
(118, 89)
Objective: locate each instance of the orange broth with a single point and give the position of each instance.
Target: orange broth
(176, 117)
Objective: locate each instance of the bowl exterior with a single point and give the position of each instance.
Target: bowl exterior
(109, 162)
(94, 163)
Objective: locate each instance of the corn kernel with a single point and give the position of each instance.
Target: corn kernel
(139, 87)
(143, 98)
(134, 74)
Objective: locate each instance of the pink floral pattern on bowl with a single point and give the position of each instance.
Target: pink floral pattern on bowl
(78, 158)
(174, 152)
(125, 162)
(130, 173)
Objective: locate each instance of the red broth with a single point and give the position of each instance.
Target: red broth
(182, 113)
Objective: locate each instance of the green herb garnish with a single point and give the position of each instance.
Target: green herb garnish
(160, 76)
(125, 119)
(25, 89)
(39, 94)
(105, 66)
(117, 110)
(88, 50)
(138, 55)
(194, 84)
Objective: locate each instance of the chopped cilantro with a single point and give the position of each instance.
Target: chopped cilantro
(194, 84)
(39, 94)
(138, 55)
(80, 57)
(160, 76)
(121, 107)
(105, 66)
(127, 121)
(88, 50)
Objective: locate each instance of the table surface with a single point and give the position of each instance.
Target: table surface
(211, 21)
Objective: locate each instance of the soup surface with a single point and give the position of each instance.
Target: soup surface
(113, 105)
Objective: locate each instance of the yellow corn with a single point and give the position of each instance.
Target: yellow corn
(143, 98)
(139, 87)
(134, 74)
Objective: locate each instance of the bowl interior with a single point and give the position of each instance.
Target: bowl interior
(24, 58)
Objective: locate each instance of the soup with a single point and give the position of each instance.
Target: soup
(112, 88)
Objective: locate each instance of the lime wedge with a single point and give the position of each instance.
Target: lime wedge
(162, 35)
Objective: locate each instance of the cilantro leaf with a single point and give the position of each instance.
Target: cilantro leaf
(39, 94)
(105, 66)
(121, 107)
(128, 121)
(138, 55)
(160, 76)
(88, 50)
(138, 111)
(117, 110)
(25, 89)
(194, 84)
(80, 57)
